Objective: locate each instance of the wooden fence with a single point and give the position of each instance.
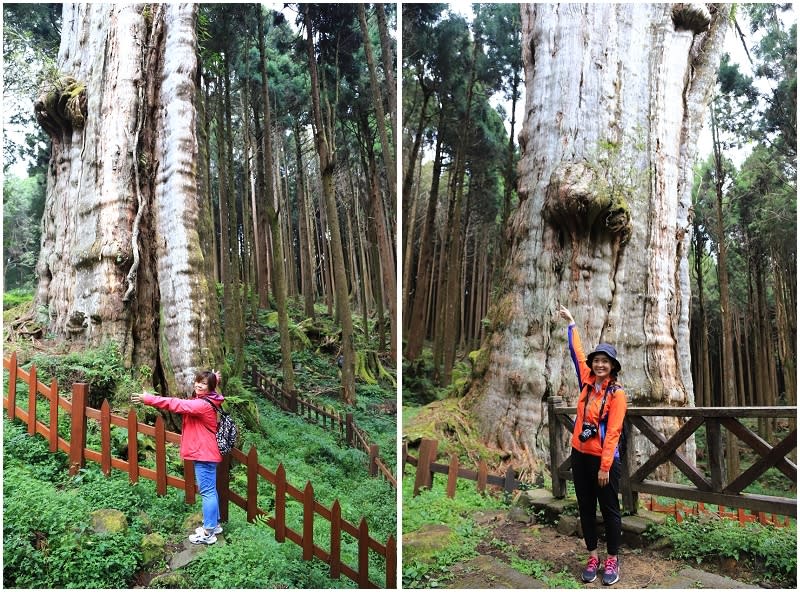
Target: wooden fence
(329, 419)
(713, 489)
(77, 451)
(427, 466)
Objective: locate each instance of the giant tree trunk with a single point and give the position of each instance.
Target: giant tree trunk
(615, 95)
(121, 259)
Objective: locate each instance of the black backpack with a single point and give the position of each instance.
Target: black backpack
(227, 432)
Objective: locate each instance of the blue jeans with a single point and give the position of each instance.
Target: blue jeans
(205, 473)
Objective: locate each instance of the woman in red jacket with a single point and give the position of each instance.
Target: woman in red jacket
(595, 458)
(198, 444)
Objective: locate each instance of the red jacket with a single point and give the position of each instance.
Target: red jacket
(198, 440)
(614, 410)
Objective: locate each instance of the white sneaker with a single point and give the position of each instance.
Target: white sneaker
(202, 539)
(200, 530)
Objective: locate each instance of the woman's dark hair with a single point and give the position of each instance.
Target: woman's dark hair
(208, 377)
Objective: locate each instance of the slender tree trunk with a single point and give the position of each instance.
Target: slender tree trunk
(388, 58)
(728, 366)
(510, 176)
(620, 264)
(326, 164)
(387, 150)
(454, 243)
(306, 265)
(260, 224)
(279, 265)
(416, 331)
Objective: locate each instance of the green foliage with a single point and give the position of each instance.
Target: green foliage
(434, 507)
(773, 550)
(18, 297)
(418, 385)
(101, 368)
(47, 542)
(257, 560)
(23, 204)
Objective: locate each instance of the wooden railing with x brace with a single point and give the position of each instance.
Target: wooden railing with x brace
(77, 451)
(713, 488)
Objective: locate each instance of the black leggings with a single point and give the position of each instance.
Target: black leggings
(584, 474)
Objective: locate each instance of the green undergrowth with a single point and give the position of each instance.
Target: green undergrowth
(769, 551)
(252, 558)
(433, 507)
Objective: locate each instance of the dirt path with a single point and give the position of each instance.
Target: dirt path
(554, 553)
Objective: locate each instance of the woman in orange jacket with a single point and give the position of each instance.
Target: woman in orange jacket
(595, 457)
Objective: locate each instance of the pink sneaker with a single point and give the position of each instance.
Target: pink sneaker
(590, 573)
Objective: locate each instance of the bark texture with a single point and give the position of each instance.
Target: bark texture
(614, 102)
(121, 257)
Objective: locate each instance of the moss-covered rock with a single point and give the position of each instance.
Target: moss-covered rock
(108, 521)
(173, 580)
(422, 545)
(153, 548)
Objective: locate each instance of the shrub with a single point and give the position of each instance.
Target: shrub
(774, 548)
(47, 543)
(101, 368)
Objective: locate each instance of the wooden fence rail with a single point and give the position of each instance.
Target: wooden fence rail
(78, 452)
(326, 418)
(713, 488)
(427, 466)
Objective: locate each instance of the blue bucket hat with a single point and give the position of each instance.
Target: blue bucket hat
(607, 350)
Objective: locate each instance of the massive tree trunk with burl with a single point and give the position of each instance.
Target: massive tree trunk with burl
(615, 98)
(121, 256)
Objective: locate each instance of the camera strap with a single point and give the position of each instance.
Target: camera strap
(602, 403)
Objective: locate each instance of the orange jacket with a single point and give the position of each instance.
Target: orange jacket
(613, 412)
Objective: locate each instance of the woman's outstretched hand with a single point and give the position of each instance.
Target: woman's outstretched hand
(136, 398)
(565, 314)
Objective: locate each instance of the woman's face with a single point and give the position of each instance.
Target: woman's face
(602, 366)
(200, 387)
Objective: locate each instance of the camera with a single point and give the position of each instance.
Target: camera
(589, 430)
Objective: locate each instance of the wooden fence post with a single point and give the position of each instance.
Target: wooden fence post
(630, 498)
(54, 416)
(391, 563)
(224, 486)
(33, 384)
(452, 476)
(105, 438)
(161, 457)
(556, 454)
(483, 473)
(363, 554)
(349, 438)
(373, 455)
(428, 449)
(280, 504)
(716, 454)
(188, 481)
(511, 480)
(13, 371)
(80, 394)
(336, 540)
(133, 447)
(252, 484)
(308, 522)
